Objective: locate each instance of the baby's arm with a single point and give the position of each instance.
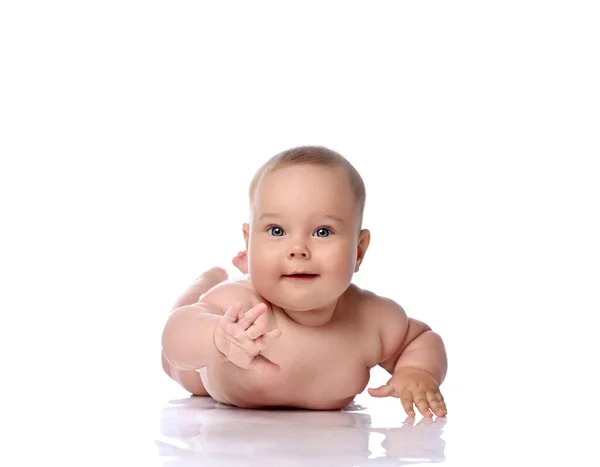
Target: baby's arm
(188, 336)
(190, 379)
(411, 343)
(416, 358)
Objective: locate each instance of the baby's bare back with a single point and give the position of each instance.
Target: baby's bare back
(322, 367)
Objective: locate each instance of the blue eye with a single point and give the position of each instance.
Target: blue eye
(323, 232)
(276, 231)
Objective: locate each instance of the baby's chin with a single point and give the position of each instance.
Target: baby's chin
(294, 300)
(298, 305)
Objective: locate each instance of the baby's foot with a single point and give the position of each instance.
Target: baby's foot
(214, 275)
(241, 262)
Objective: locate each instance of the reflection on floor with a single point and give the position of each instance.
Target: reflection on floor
(199, 431)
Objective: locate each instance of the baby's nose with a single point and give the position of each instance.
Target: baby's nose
(299, 251)
(301, 254)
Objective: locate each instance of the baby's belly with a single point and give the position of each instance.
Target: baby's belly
(315, 389)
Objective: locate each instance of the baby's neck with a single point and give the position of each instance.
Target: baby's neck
(315, 317)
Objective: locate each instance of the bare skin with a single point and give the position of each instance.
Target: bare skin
(281, 381)
(296, 332)
(190, 379)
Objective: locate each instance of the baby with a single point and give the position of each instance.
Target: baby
(295, 331)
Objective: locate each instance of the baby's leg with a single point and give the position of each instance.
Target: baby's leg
(206, 281)
(190, 379)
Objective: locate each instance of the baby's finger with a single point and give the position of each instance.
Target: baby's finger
(422, 404)
(382, 391)
(435, 404)
(265, 365)
(233, 313)
(248, 318)
(442, 401)
(407, 402)
(260, 328)
(255, 331)
(262, 340)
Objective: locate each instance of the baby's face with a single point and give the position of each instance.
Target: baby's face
(304, 220)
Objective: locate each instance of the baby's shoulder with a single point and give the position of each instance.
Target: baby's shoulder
(232, 291)
(376, 307)
(385, 318)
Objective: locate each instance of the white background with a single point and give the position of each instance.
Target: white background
(130, 131)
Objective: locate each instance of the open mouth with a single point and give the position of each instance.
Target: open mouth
(301, 276)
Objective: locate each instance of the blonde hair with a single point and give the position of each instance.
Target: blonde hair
(314, 155)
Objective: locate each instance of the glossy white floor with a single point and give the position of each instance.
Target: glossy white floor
(483, 431)
(196, 431)
(506, 423)
(166, 427)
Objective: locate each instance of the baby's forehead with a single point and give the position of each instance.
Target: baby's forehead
(304, 179)
(291, 214)
(303, 208)
(304, 191)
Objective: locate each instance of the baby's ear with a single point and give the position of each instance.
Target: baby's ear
(364, 239)
(246, 230)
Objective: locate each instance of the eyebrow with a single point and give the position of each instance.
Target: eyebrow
(276, 215)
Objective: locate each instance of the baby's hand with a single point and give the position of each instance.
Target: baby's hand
(414, 386)
(242, 338)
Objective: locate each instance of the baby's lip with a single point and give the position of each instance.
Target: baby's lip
(301, 274)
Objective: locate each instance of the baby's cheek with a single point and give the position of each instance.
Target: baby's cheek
(342, 271)
(349, 262)
(260, 271)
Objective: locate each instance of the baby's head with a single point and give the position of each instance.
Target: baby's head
(306, 210)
